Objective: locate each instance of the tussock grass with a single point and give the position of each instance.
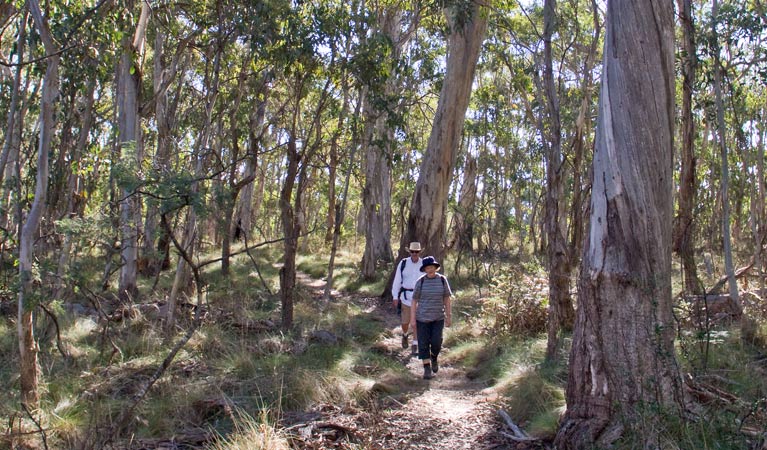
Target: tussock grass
(251, 433)
(511, 364)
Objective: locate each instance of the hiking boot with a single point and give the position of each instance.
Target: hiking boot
(434, 364)
(427, 373)
(413, 350)
(404, 340)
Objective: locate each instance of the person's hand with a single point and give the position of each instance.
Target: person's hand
(448, 321)
(394, 302)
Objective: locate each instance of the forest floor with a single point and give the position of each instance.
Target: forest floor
(449, 411)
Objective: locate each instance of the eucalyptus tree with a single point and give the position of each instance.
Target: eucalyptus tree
(560, 304)
(427, 219)
(28, 347)
(11, 135)
(130, 144)
(213, 45)
(308, 81)
(569, 107)
(622, 356)
(731, 62)
(171, 57)
(550, 55)
(236, 160)
(684, 230)
(722, 143)
(394, 28)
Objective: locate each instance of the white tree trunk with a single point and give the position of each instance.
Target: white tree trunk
(28, 348)
(722, 140)
(130, 141)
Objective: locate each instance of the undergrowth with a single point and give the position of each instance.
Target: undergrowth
(240, 372)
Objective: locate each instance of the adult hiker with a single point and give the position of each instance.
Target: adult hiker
(430, 313)
(407, 272)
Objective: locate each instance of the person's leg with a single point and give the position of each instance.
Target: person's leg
(435, 345)
(424, 338)
(405, 322)
(414, 343)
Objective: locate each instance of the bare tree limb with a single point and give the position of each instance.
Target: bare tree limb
(37, 424)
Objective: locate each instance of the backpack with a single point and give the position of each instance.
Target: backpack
(441, 278)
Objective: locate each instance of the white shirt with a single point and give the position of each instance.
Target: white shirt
(406, 279)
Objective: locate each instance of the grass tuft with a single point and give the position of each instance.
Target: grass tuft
(251, 434)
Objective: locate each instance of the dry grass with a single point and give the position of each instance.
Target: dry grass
(251, 434)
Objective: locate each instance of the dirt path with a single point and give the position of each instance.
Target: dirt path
(447, 412)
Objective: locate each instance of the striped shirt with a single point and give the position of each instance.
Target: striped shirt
(430, 292)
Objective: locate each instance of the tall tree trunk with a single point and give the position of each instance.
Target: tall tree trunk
(190, 227)
(379, 142)
(154, 256)
(426, 221)
(560, 305)
(257, 116)
(290, 244)
(130, 141)
(582, 142)
(339, 218)
(232, 187)
(684, 231)
(377, 204)
(156, 249)
(761, 226)
(12, 144)
(10, 127)
(622, 357)
(75, 187)
(28, 349)
(463, 236)
(330, 217)
(721, 134)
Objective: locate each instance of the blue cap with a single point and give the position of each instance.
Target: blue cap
(429, 261)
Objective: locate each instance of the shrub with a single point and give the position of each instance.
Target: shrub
(517, 304)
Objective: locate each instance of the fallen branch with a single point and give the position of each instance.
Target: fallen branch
(743, 270)
(519, 435)
(127, 413)
(738, 274)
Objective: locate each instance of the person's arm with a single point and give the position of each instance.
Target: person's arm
(396, 285)
(414, 304)
(448, 310)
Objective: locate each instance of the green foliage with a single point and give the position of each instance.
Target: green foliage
(714, 431)
(537, 401)
(517, 304)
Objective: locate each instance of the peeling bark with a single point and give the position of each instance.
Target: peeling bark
(622, 363)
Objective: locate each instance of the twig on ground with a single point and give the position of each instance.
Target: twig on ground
(519, 435)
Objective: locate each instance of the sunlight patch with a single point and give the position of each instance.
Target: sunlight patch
(82, 327)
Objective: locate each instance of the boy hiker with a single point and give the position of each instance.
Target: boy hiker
(430, 313)
(407, 272)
